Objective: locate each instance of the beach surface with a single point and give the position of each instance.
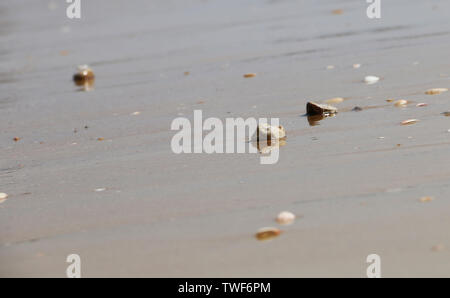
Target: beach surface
(129, 206)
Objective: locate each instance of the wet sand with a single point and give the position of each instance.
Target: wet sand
(167, 215)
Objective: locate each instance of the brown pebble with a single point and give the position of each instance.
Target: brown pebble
(84, 76)
(313, 108)
(426, 199)
(16, 139)
(249, 75)
(436, 91)
(337, 11)
(267, 233)
(100, 139)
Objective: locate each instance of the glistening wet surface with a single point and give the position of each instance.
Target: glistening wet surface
(356, 179)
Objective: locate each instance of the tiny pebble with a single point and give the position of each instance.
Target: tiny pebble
(249, 75)
(100, 189)
(436, 91)
(356, 66)
(267, 233)
(426, 199)
(401, 103)
(421, 104)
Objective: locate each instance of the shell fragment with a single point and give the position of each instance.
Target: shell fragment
(371, 79)
(285, 218)
(436, 91)
(267, 233)
(313, 108)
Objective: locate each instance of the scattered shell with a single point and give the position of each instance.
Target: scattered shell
(84, 76)
(267, 233)
(438, 248)
(371, 79)
(16, 139)
(3, 197)
(337, 11)
(186, 73)
(100, 189)
(249, 75)
(100, 139)
(390, 100)
(334, 100)
(313, 108)
(285, 218)
(436, 91)
(136, 113)
(268, 131)
(409, 121)
(400, 103)
(330, 67)
(421, 104)
(426, 199)
(447, 114)
(356, 66)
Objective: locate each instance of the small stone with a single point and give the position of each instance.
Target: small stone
(409, 122)
(356, 66)
(84, 76)
(371, 79)
(334, 100)
(421, 104)
(266, 131)
(436, 91)
(446, 114)
(249, 75)
(285, 218)
(267, 233)
(136, 113)
(426, 199)
(337, 11)
(16, 139)
(357, 109)
(313, 108)
(330, 67)
(401, 103)
(100, 139)
(100, 189)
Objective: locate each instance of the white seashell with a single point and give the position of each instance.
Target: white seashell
(266, 131)
(409, 121)
(356, 66)
(371, 79)
(3, 195)
(285, 218)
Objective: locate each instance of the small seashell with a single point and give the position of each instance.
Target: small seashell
(436, 91)
(421, 104)
(249, 75)
(426, 199)
(390, 100)
(334, 100)
(447, 114)
(3, 197)
(438, 248)
(16, 139)
(267, 233)
(356, 66)
(285, 218)
(313, 108)
(400, 103)
(330, 67)
(409, 121)
(84, 76)
(371, 79)
(100, 139)
(100, 189)
(136, 113)
(268, 132)
(186, 73)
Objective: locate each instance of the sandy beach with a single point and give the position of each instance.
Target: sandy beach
(130, 207)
